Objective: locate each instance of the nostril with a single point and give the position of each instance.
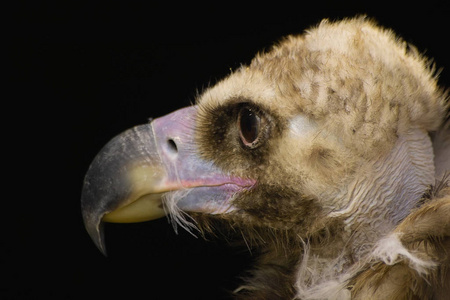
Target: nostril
(172, 146)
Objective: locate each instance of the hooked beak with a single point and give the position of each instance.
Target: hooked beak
(128, 178)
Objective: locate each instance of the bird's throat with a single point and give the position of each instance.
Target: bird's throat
(382, 196)
(387, 190)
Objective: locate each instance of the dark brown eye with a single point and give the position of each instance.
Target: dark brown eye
(249, 123)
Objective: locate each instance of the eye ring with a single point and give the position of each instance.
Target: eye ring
(250, 125)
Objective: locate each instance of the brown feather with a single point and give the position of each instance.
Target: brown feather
(426, 233)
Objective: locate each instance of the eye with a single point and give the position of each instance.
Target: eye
(249, 123)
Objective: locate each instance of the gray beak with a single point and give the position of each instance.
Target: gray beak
(121, 184)
(130, 177)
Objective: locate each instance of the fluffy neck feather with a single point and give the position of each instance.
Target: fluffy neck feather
(380, 197)
(384, 193)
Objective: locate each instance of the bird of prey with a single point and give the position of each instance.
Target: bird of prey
(328, 153)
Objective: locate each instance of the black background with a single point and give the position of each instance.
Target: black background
(80, 73)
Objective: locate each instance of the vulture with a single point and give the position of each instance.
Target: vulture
(328, 154)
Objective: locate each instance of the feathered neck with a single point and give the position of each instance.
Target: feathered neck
(379, 198)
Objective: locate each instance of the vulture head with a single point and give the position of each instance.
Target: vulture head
(327, 153)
